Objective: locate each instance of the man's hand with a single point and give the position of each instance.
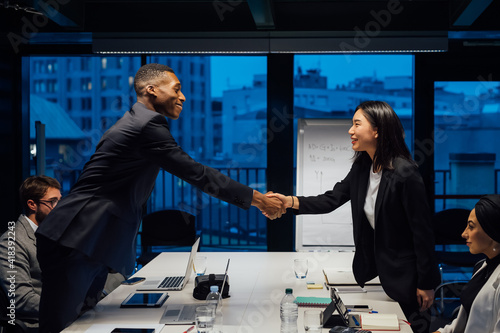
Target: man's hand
(425, 298)
(272, 208)
(286, 200)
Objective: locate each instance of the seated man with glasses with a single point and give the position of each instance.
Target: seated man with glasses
(20, 275)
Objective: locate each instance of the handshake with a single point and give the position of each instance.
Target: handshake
(272, 205)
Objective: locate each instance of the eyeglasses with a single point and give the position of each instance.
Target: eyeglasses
(50, 203)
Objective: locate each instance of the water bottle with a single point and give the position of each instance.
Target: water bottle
(213, 297)
(289, 311)
(214, 300)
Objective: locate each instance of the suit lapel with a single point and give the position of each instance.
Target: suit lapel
(28, 229)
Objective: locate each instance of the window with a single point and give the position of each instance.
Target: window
(85, 84)
(466, 129)
(331, 86)
(236, 146)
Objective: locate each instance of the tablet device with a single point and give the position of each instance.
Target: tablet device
(142, 300)
(342, 318)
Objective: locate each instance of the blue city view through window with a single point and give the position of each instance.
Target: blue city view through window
(467, 127)
(223, 123)
(331, 86)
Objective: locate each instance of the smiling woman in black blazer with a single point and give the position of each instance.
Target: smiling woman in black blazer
(391, 217)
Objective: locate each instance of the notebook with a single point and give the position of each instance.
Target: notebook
(171, 282)
(319, 302)
(184, 313)
(379, 321)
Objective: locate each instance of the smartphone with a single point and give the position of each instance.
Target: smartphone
(359, 308)
(133, 280)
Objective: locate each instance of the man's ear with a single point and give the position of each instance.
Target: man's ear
(150, 89)
(32, 205)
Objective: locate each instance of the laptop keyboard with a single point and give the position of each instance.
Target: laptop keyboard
(188, 313)
(172, 282)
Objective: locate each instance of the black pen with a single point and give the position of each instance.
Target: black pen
(326, 286)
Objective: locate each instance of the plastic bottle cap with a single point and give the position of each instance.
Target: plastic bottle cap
(214, 289)
(288, 291)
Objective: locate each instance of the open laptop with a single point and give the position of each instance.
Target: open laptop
(343, 277)
(184, 313)
(171, 282)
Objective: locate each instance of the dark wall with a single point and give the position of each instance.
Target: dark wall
(13, 149)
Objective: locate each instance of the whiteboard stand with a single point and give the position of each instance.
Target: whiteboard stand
(324, 157)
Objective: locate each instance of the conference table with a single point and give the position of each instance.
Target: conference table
(257, 284)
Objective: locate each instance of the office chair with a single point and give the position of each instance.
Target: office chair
(447, 300)
(169, 228)
(449, 225)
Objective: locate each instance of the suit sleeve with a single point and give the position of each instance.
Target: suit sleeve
(26, 298)
(158, 146)
(328, 201)
(417, 212)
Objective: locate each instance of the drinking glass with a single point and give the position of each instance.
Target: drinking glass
(300, 268)
(313, 320)
(200, 265)
(204, 318)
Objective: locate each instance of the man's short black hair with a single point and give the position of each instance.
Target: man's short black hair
(148, 73)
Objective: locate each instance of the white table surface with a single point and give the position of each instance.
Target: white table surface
(257, 283)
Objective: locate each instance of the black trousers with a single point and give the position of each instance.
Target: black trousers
(71, 283)
(420, 321)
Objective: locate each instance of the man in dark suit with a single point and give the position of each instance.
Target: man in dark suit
(18, 263)
(94, 228)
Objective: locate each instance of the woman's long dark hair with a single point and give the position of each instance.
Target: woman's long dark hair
(391, 135)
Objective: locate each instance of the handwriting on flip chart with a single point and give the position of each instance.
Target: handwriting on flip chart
(324, 158)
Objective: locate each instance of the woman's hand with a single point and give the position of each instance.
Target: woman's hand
(286, 200)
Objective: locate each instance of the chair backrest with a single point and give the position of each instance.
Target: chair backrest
(449, 225)
(168, 227)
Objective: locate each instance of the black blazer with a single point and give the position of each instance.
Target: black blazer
(101, 215)
(401, 248)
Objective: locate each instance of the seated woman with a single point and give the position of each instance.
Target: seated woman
(480, 309)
